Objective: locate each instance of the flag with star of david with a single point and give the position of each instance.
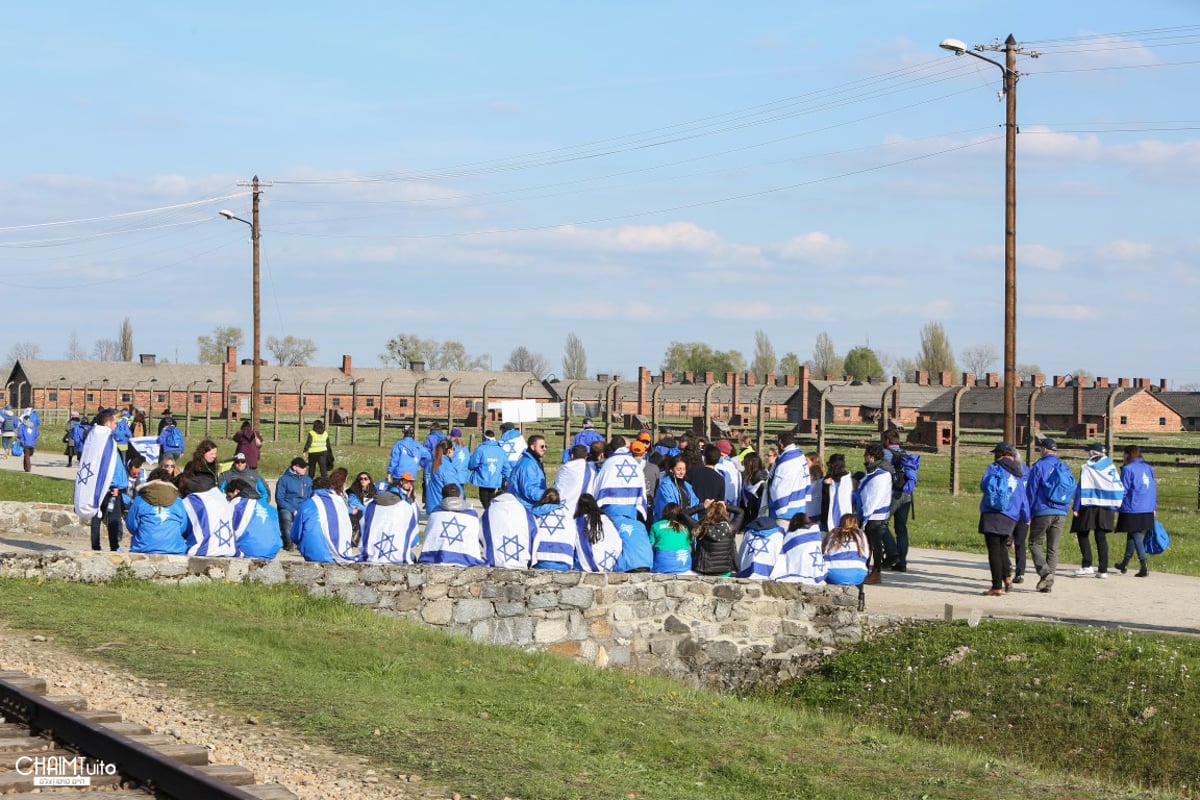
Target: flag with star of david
(621, 482)
(600, 556)
(210, 529)
(389, 533)
(554, 536)
(759, 554)
(100, 467)
(452, 537)
(801, 557)
(508, 529)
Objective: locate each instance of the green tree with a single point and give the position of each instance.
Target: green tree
(936, 353)
(574, 360)
(126, 340)
(764, 362)
(291, 351)
(212, 348)
(825, 360)
(790, 364)
(699, 358)
(863, 364)
(405, 348)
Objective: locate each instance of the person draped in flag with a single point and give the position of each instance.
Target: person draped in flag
(453, 533)
(321, 529)
(620, 491)
(389, 527)
(759, 555)
(597, 543)
(875, 495)
(508, 530)
(527, 478)
(575, 477)
(731, 470)
(790, 485)
(157, 520)
(210, 523)
(255, 523)
(554, 533)
(803, 560)
(836, 492)
(101, 471)
(845, 549)
(1098, 495)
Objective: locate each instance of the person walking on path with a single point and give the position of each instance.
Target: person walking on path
(1049, 489)
(1097, 498)
(27, 436)
(1138, 508)
(1003, 488)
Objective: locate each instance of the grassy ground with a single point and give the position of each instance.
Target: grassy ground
(1108, 704)
(496, 722)
(33, 488)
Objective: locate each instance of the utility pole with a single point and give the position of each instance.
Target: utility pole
(255, 391)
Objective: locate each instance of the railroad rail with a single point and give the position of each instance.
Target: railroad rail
(43, 736)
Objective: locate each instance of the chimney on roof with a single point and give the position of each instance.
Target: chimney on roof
(1141, 383)
(947, 379)
(1060, 380)
(1162, 384)
(923, 377)
(231, 359)
(345, 364)
(1077, 406)
(991, 380)
(968, 379)
(689, 376)
(769, 379)
(667, 376)
(731, 379)
(1124, 382)
(1037, 380)
(1101, 383)
(147, 359)
(416, 366)
(603, 377)
(645, 379)
(708, 378)
(751, 379)
(848, 378)
(789, 379)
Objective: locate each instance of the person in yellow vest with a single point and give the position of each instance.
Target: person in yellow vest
(316, 447)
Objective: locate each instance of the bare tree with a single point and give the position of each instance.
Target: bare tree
(522, 360)
(212, 348)
(825, 360)
(936, 353)
(126, 340)
(406, 348)
(106, 350)
(764, 362)
(27, 351)
(75, 351)
(574, 360)
(905, 367)
(979, 358)
(291, 351)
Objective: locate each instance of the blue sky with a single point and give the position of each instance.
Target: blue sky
(503, 174)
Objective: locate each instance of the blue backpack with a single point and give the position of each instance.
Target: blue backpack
(907, 465)
(172, 439)
(998, 489)
(1158, 541)
(1059, 488)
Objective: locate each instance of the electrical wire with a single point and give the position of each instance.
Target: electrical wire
(123, 215)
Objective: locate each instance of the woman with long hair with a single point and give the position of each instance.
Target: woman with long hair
(442, 472)
(754, 481)
(675, 488)
(1135, 518)
(835, 492)
(598, 543)
(816, 472)
(672, 541)
(200, 475)
(846, 550)
(715, 551)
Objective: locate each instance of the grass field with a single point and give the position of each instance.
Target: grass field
(494, 722)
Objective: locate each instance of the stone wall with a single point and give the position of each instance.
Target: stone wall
(40, 519)
(726, 633)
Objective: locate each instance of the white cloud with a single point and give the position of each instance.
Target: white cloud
(1124, 250)
(1038, 256)
(603, 310)
(670, 238)
(813, 246)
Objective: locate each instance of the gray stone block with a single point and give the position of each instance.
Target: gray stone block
(467, 611)
(546, 599)
(577, 596)
(358, 595)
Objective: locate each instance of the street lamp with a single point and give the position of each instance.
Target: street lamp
(255, 233)
(1008, 68)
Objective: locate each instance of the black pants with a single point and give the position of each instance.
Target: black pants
(318, 461)
(1085, 548)
(486, 496)
(998, 561)
(875, 530)
(1020, 539)
(113, 523)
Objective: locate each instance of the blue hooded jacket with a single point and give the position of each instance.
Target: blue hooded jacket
(487, 465)
(528, 480)
(1141, 489)
(408, 456)
(1039, 474)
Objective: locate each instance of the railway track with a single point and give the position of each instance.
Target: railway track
(47, 740)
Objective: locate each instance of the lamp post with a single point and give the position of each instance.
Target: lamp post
(255, 233)
(1008, 68)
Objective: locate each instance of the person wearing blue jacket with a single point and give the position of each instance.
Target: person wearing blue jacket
(585, 437)
(995, 524)
(486, 468)
(292, 490)
(157, 519)
(1135, 517)
(27, 436)
(255, 523)
(1047, 518)
(674, 488)
(122, 434)
(461, 456)
(514, 445)
(441, 473)
(527, 481)
(408, 455)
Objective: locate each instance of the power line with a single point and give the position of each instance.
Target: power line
(123, 215)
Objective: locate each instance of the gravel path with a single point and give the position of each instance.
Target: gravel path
(274, 756)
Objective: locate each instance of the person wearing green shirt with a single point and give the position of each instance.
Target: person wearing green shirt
(672, 541)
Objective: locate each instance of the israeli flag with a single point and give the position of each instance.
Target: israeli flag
(100, 467)
(210, 532)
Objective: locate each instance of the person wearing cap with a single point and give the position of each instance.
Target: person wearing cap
(1138, 508)
(527, 481)
(255, 523)
(486, 468)
(1047, 517)
(389, 526)
(514, 445)
(240, 469)
(292, 490)
(585, 437)
(997, 525)
(321, 529)
(1098, 495)
(408, 455)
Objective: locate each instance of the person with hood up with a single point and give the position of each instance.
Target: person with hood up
(508, 530)
(408, 455)
(527, 479)
(255, 523)
(27, 437)
(321, 529)
(157, 520)
(389, 527)
(999, 511)
(554, 533)
(453, 533)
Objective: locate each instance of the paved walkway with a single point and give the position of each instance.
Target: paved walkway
(936, 579)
